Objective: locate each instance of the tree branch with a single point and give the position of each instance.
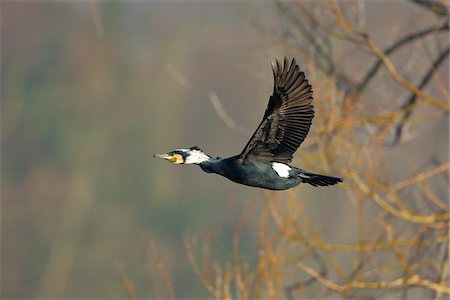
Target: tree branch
(395, 46)
(434, 6)
(413, 98)
(226, 119)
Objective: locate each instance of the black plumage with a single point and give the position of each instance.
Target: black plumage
(264, 160)
(287, 119)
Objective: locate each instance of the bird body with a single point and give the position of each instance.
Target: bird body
(264, 162)
(272, 176)
(251, 173)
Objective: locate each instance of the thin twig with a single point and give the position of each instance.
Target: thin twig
(395, 46)
(434, 6)
(96, 19)
(146, 261)
(422, 176)
(415, 280)
(125, 282)
(226, 119)
(413, 98)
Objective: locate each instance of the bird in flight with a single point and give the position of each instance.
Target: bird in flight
(264, 162)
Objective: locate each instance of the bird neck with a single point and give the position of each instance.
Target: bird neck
(212, 165)
(196, 157)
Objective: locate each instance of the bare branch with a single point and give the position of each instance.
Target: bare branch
(226, 119)
(395, 46)
(436, 7)
(321, 52)
(413, 98)
(414, 280)
(327, 63)
(443, 167)
(367, 41)
(96, 19)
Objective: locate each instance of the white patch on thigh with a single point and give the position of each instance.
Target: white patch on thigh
(281, 169)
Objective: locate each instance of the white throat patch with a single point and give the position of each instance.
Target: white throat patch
(195, 156)
(281, 169)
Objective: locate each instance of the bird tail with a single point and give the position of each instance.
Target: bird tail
(319, 180)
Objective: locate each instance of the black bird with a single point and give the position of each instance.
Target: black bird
(264, 160)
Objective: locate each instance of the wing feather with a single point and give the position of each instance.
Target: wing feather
(287, 119)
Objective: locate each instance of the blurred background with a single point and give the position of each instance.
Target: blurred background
(92, 89)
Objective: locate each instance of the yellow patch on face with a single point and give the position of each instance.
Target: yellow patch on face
(177, 159)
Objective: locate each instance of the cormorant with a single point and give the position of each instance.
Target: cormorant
(264, 161)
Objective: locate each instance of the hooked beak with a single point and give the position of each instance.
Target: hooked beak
(171, 157)
(164, 156)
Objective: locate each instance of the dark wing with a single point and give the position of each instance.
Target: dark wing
(287, 118)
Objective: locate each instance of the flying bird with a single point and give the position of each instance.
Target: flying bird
(264, 162)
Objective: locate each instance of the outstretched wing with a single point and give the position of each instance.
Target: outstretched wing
(287, 118)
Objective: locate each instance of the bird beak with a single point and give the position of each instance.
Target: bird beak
(164, 156)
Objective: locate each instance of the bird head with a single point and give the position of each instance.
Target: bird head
(193, 155)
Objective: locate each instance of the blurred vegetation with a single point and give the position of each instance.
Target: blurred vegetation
(91, 90)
